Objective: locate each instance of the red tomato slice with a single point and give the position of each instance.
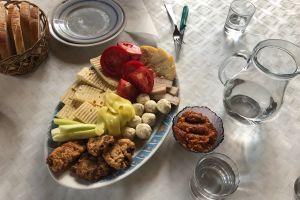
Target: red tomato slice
(143, 79)
(130, 67)
(127, 90)
(134, 51)
(112, 60)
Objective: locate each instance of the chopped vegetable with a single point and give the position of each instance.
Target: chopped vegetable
(58, 121)
(112, 60)
(130, 67)
(55, 131)
(76, 127)
(113, 123)
(133, 50)
(143, 79)
(126, 113)
(74, 136)
(115, 115)
(127, 90)
(100, 126)
(114, 102)
(100, 129)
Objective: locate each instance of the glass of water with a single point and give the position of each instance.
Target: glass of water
(239, 16)
(215, 177)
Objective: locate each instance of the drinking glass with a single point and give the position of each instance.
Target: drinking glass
(239, 16)
(215, 177)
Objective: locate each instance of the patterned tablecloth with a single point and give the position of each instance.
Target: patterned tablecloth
(267, 156)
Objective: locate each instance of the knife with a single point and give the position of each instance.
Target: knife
(183, 21)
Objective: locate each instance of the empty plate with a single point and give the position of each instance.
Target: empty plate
(87, 21)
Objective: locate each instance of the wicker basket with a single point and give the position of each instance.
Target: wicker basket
(32, 57)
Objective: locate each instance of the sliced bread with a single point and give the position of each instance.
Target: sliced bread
(10, 10)
(34, 25)
(4, 39)
(17, 31)
(25, 16)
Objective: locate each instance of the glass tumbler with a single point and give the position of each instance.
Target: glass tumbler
(216, 176)
(239, 16)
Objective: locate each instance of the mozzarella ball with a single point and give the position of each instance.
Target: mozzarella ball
(139, 109)
(129, 133)
(135, 121)
(164, 106)
(149, 118)
(142, 98)
(143, 131)
(150, 106)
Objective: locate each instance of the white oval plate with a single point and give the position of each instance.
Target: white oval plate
(141, 155)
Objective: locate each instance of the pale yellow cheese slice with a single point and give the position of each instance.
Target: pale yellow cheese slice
(67, 112)
(160, 61)
(97, 66)
(89, 94)
(89, 76)
(86, 113)
(67, 97)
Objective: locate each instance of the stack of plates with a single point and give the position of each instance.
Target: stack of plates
(84, 23)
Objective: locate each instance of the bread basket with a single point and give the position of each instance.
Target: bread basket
(33, 56)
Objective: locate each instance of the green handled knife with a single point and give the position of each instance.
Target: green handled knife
(184, 16)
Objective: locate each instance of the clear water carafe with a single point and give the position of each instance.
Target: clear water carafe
(255, 82)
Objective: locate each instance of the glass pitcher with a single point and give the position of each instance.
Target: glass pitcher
(255, 82)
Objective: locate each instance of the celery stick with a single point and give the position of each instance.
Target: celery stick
(100, 129)
(76, 127)
(58, 121)
(86, 132)
(74, 136)
(55, 131)
(60, 138)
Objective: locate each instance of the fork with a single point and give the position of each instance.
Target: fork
(177, 35)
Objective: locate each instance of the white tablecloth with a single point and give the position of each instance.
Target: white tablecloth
(267, 156)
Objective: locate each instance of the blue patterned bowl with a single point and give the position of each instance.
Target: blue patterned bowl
(213, 118)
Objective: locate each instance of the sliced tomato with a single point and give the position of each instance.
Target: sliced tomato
(130, 67)
(127, 90)
(134, 50)
(143, 79)
(112, 60)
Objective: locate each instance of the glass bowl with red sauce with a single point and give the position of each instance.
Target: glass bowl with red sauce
(198, 129)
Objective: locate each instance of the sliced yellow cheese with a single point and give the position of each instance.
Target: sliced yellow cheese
(67, 112)
(89, 76)
(89, 94)
(149, 55)
(67, 98)
(97, 66)
(160, 61)
(76, 103)
(86, 113)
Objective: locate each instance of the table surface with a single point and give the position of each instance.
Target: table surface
(267, 155)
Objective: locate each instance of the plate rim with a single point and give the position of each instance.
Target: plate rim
(115, 5)
(166, 132)
(61, 40)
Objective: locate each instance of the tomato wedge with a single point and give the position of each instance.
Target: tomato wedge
(130, 67)
(133, 50)
(127, 90)
(143, 79)
(112, 60)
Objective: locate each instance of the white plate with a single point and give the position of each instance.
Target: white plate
(87, 23)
